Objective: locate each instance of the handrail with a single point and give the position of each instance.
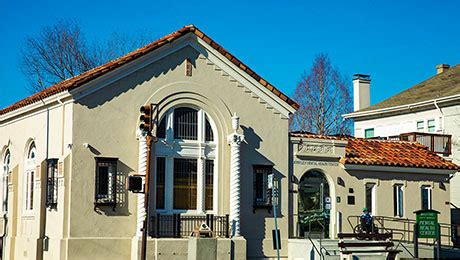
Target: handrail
(447, 235)
(314, 246)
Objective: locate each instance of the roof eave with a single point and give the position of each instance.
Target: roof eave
(393, 109)
(397, 169)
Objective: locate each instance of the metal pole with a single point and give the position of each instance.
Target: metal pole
(275, 200)
(415, 240)
(438, 249)
(146, 201)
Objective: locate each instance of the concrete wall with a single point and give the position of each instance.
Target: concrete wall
(25, 230)
(108, 119)
(355, 182)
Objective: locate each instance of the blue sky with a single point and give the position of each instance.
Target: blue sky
(398, 43)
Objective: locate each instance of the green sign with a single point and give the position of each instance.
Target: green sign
(427, 224)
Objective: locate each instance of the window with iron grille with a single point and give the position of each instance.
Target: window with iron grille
(262, 195)
(106, 172)
(160, 194)
(209, 165)
(51, 183)
(181, 163)
(185, 182)
(185, 123)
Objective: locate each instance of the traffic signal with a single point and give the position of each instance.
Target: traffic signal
(146, 118)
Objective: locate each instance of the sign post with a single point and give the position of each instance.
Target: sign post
(276, 233)
(427, 226)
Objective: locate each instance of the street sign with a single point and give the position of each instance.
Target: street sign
(427, 222)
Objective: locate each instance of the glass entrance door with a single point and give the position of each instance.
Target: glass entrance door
(314, 205)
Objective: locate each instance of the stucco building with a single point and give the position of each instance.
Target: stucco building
(222, 133)
(428, 112)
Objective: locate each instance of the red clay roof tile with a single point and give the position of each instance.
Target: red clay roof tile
(387, 153)
(85, 77)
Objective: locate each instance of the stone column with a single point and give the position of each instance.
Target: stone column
(235, 140)
(141, 136)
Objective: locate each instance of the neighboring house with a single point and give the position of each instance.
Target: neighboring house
(429, 111)
(67, 153)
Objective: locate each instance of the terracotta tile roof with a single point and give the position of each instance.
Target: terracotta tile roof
(387, 153)
(83, 78)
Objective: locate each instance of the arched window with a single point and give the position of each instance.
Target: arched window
(185, 161)
(29, 178)
(4, 179)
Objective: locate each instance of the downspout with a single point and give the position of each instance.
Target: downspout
(440, 111)
(42, 231)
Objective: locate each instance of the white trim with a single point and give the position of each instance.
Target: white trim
(429, 188)
(401, 107)
(397, 206)
(187, 40)
(40, 105)
(170, 148)
(359, 167)
(245, 79)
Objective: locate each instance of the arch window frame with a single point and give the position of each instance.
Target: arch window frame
(29, 179)
(4, 179)
(203, 150)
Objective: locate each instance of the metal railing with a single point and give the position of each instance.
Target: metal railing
(177, 225)
(437, 143)
(404, 228)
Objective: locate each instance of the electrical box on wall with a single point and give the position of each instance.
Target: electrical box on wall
(136, 183)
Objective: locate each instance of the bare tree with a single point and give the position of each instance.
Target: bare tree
(324, 96)
(61, 51)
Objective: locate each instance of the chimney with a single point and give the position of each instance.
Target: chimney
(361, 91)
(441, 68)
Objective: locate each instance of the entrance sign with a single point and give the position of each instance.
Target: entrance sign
(427, 224)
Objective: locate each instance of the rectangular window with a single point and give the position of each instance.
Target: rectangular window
(369, 133)
(209, 165)
(398, 200)
(426, 197)
(160, 194)
(185, 123)
(185, 181)
(420, 126)
(30, 190)
(431, 126)
(51, 183)
(209, 135)
(106, 174)
(262, 195)
(370, 189)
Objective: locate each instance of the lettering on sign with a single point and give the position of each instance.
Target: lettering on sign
(427, 224)
(316, 163)
(309, 148)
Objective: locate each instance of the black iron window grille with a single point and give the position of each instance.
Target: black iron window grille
(105, 190)
(160, 192)
(52, 183)
(186, 123)
(262, 194)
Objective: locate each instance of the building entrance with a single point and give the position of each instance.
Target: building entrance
(314, 205)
